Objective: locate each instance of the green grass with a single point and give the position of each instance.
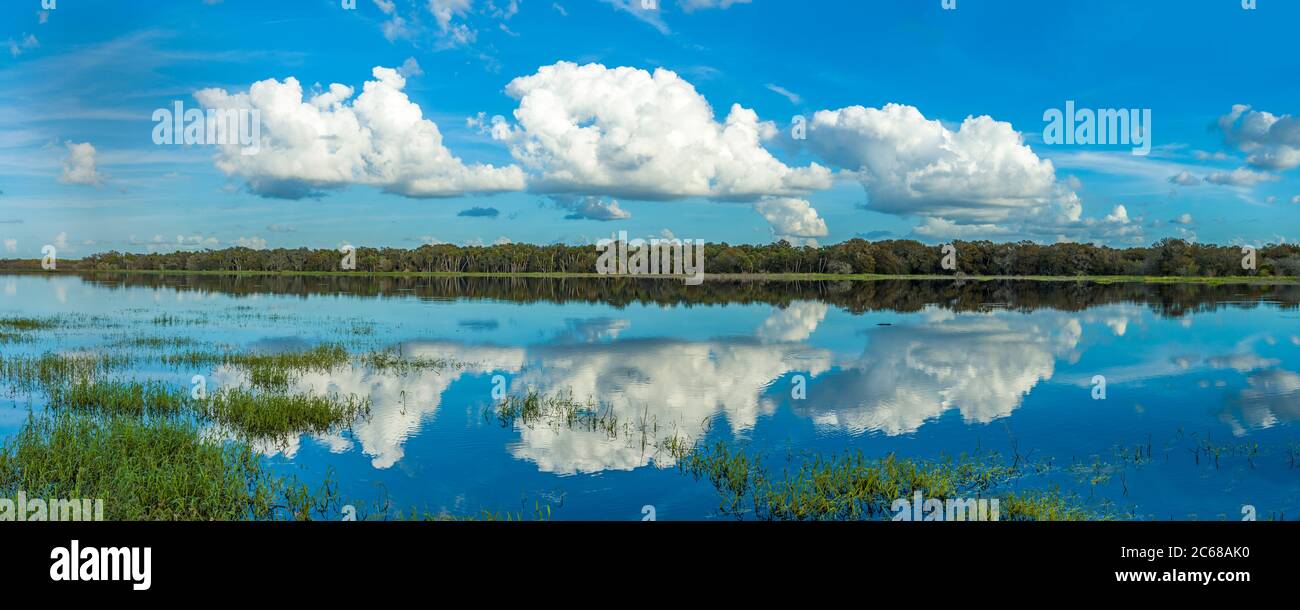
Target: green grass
(278, 416)
(1043, 506)
(167, 469)
(319, 358)
(193, 358)
(159, 470)
(119, 398)
(50, 369)
(274, 371)
(20, 330)
(272, 378)
(253, 416)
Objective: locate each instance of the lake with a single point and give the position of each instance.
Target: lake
(1196, 418)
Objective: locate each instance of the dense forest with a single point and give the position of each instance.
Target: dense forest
(1169, 257)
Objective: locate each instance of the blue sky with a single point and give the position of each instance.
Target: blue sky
(580, 151)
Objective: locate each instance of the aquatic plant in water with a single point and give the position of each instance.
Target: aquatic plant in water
(162, 469)
(855, 487)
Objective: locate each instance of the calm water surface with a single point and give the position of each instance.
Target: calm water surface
(921, 369)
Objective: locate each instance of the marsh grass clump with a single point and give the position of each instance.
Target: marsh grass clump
(854, 487)
(50, 369)
(163, 469)
(273, 371)
(561, 410)
(267, 377)
(131, 398)
(1052, 505)
(320, 358)
(277, 416)
(28, 324)
(193, 358)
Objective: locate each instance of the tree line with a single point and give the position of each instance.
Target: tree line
(1169, 257)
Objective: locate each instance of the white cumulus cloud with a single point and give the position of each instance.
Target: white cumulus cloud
(983, 172)
(80, 167)
(979, 180)
(1272, 142)
(324, 142)
(626, 132)
(792, 218)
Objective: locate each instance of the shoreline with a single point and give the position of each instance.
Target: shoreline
(730, 277)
